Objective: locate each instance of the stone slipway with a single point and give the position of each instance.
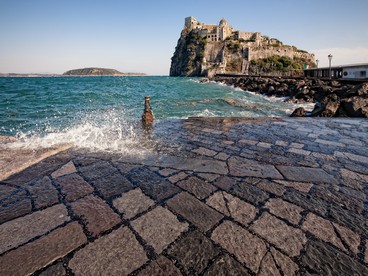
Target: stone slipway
(213, 196)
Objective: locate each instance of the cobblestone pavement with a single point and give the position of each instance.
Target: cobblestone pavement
(214, 197)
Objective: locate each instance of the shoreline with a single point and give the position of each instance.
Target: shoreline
(333, 98)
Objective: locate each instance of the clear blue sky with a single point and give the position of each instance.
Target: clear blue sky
(46, 36)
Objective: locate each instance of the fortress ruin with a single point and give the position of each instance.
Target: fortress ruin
(221, 31)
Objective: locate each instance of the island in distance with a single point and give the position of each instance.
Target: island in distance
(94, 71)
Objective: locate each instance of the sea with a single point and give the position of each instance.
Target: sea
(102, 113)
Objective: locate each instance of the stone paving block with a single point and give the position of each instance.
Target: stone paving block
(269, 186)
(161, 266)
(64, 170)
(204, 151)
(225, 182)
(352, 157)
(307, 202)
(268, 266)
(198, 164)
(296, 145)
(55, 270)
(286, 265)
(289, 239)
(322, 259)
(349, 219)
(152, 184)
(222, 156)
(247, 248)
(353, 179)
(193, 252)
(232, 206)
(112, 185)
(196, 186)
(177, 177)
(248, 142)
(18, 231)
(118, 253)
(299, 151)
(264, 145)
(249, 192)
(167, 172)
(43, 193)
(73, 186)
(194, 211)
(322, 229)
(349, 237)
(210, 177)
(305, 174)
(42, 252)
(159, 228)
(226, 265)
(96, 214)
(132, 203)
(300, 186)
(97, 170)
(285, 210)
(330, 143)
(246, 167)
(15, 209)
(281, 143)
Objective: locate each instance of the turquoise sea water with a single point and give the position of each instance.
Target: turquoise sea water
(87, 108)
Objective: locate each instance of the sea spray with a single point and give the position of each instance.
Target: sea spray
(109, 131)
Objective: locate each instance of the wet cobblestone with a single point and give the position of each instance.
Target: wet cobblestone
(215, 196)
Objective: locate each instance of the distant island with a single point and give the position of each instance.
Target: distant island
(94, 71)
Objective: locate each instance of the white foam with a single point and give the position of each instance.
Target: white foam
(107, 132)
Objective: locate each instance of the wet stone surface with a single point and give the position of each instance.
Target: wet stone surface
(214, 196)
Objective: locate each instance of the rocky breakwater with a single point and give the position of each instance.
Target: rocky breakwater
(333, 98)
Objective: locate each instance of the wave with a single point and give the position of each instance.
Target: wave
(109, 131)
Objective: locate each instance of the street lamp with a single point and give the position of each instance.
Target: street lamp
(317, 61)
(329, 60)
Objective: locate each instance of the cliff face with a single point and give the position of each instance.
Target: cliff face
(198, 55)
(188, 56)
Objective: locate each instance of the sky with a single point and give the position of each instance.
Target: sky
(45, 36)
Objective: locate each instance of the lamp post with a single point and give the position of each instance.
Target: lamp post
(329, 66)
(317, 61)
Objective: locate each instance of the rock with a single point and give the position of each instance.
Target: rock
(318, 109)
(331, 104)
(299, 112)
(358, 90)
(355, 106)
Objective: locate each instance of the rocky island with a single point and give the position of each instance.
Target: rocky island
(210, 49)
(94, 71)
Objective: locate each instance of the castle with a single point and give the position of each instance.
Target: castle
(220, 32)
(208, 49)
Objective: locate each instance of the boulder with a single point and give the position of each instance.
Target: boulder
(299, 112)
(331, 104)
(358, 90)
(355, 106)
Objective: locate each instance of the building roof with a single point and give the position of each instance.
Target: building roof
(341, 66)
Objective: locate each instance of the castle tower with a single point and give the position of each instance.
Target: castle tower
(224, 30)
(190, 22)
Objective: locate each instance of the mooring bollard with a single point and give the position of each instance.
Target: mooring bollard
(147, 117)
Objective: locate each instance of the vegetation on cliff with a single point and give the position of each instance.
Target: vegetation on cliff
(277, 64)
(188, 55)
